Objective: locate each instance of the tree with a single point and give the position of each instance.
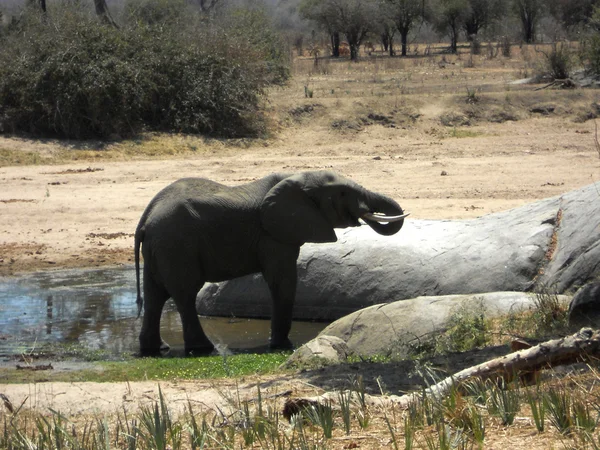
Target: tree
(103, 13)
(323, 14)
(482, 13)
(207, 5)
(529, 13)
(450, 19)
(405, 14)
(571, 13)
(41, 3)
(352, 18)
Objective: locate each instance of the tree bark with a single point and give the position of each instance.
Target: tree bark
(335, 44)
(103, 13)
(580, 346)
(404, 41)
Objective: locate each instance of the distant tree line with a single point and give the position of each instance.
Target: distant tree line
(355, 20)
(69, 69)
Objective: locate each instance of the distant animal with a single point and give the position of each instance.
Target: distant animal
(344, 49)
(368, 47)
(196, 230)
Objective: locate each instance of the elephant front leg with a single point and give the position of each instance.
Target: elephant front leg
(279, 271)
(196, 342)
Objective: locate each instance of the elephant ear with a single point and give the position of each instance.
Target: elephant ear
(290, 216)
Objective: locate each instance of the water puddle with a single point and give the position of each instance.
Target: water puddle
(96, 309)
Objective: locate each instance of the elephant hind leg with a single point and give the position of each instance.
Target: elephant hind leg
(155, 297)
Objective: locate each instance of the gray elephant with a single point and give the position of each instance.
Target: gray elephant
(196, 230)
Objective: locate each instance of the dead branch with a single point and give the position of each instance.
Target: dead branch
(566, 83)
(36, 367)
(580, 346)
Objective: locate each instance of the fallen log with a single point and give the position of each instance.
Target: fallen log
(36, 367)
(581, 346)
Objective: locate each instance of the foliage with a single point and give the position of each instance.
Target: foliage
(451, 16)
(354, 18)
(405, 15)
(590, 50)
(529, 13)
(558, 62)
(68, 75)
(467, 329)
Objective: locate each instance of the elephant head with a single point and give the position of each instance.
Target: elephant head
(306, 207)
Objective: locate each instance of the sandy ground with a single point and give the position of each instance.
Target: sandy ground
(84, 214)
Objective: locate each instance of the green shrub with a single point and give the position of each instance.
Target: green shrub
(167, 68)
(590, 44)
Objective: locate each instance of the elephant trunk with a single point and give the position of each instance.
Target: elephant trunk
(377, 203)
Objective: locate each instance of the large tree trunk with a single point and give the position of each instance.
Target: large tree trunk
(103, 13)
(385, 41)
(354, 48)
(41, 3)
(335, 44)
(581, 346)
(404, 40)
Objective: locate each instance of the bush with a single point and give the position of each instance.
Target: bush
(559, 61)
(68, 75)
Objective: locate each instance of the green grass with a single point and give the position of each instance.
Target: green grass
(139, 369)
(462, 133)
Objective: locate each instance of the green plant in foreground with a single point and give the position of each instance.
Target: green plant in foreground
(345, 402)
(538, 408)
(505, 402)
(558, 404)
(156, 427)
(322, 416)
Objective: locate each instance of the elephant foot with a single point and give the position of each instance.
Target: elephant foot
(153, 350)
(284, 344)
(199, 350)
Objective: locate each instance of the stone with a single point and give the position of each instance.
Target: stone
(584, 309)
(400, 328)
(553, 242)
(322, 350)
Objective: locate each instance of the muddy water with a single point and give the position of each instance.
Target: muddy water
(96, 309)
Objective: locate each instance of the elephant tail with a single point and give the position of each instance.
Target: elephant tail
(139, 236)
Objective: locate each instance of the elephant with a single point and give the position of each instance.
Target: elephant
(196, 231)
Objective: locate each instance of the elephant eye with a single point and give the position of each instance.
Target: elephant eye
(342, 193)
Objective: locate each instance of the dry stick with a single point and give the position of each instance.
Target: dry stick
(596, 143)
(578, 347)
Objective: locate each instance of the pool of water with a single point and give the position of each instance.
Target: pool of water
(97, 309)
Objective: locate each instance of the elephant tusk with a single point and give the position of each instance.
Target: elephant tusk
(382, 218)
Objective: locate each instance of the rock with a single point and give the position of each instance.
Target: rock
(400, 327)
(322, 350)
(584, 309)
(543, 109)
(553, 242)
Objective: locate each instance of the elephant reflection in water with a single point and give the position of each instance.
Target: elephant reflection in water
(196, 230)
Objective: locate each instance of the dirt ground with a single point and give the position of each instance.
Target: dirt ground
(412, 131)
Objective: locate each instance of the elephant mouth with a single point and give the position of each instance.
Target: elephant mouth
(381, 218)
